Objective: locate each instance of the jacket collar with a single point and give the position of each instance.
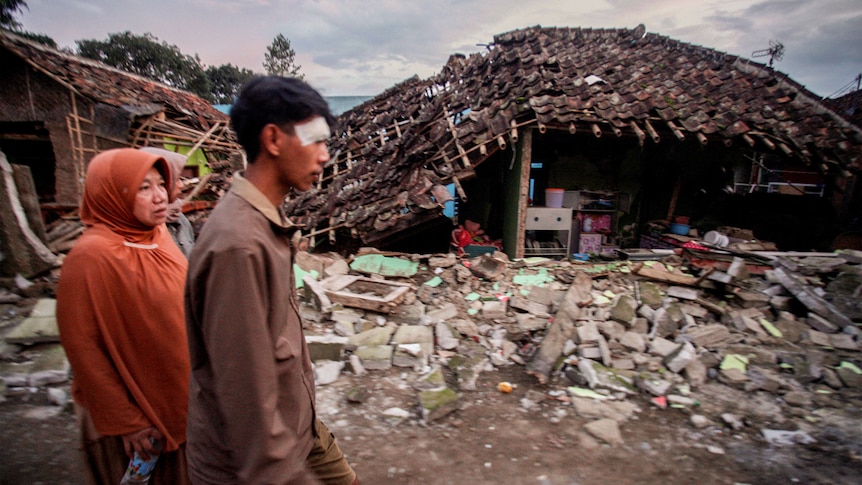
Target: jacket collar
(248, 192)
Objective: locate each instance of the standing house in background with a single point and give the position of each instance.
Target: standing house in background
(58, 110)
(673, 128)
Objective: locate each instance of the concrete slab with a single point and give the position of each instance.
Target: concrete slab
(39, 327)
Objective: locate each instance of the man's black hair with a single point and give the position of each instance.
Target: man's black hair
(277, 100)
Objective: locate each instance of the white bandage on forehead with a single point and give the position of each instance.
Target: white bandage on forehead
(312, 131)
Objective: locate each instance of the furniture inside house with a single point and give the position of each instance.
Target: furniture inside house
(549, 232)
(596, 216)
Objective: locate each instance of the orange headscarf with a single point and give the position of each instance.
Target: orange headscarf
(120, 307)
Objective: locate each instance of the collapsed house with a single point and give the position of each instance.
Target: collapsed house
(634, 127)
(60, 110)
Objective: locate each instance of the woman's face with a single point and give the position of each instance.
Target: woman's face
(178, 188)
(151, 201)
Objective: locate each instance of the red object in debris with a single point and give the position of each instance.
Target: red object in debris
(660, 401)
(694, 245)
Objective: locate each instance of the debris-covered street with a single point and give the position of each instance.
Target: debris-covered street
(659, 370)
(578, 256)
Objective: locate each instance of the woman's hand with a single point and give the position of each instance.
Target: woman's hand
(143, 442)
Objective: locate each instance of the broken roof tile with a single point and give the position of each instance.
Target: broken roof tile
(540, 75)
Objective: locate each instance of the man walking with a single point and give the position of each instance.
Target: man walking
(251, 406)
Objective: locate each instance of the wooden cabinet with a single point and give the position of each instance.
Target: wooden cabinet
(596, 213)
(557, 221)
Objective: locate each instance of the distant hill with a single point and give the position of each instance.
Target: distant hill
(338, 104)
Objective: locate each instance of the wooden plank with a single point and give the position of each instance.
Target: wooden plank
(367, 293)
(523, 198)
(807, 297)
(655, 274)
(561, 330)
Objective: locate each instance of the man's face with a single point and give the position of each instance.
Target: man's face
(305, 153)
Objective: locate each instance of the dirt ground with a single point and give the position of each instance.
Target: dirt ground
(492, 439)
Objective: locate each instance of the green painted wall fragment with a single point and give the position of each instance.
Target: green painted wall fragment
(769, 327)
(532, 279)
(384, 265)
(849, 365)
(582, 392)
(734, 361)
(299, 274)
(434, 282)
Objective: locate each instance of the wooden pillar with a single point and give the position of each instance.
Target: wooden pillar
(526, 146)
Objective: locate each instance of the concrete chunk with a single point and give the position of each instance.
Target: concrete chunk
(650, 293)
(682, 357)
(545, 295)
(817, 322)
(375, 336)
(683, 293)
(850, 375)
(588, 333)
(494, 309)
(707, 335)
(662, 347)
(696, 373)
(606, 430)
(325, 347)
(438, 403)
(624, 310)
(327, 371)
(843, 341)
(39, 327)
(378, 357)
(633, 341)
(446, 338)
(535, 308)
(530, 323)
(415, 334)
(441, 314)
(654, 386)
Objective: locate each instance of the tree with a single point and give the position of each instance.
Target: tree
(226, 81)
(146, 56)
(9, 9)
(280, 58)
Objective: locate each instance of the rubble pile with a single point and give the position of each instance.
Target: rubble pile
(731, 348)
(769, 347)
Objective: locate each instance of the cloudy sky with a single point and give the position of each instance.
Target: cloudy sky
(362, 47)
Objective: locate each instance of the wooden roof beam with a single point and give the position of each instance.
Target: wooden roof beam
(651, 131)
(638, 132)
(676, 130)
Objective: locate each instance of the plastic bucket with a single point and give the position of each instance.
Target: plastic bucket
(554, 198)
(679, 229)
(716, 239)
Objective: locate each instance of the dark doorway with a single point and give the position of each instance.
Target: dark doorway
(28, 143)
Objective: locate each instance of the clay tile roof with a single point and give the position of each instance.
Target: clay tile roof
(108, 85)
(591, 80)
(849, 106)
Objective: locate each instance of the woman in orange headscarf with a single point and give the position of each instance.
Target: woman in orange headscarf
(121, 320)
